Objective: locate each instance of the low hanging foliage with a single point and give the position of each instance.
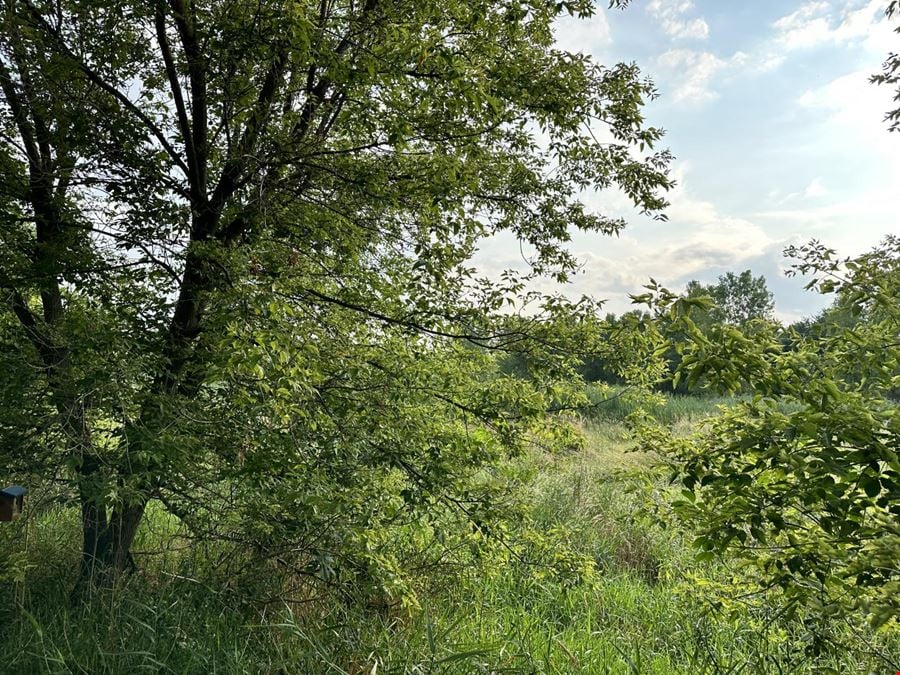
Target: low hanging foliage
(803, 480)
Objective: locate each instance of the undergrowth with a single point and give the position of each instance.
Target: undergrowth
(632, 599)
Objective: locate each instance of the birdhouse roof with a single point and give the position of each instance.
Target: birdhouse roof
(14, 491)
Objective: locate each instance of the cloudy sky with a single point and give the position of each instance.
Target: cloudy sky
(778, 137)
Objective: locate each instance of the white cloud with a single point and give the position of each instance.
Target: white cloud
(697, 238)
(804, 27)
(704, 236)
(692, 72)
(851, 223)
(699, 241)
(696, 228)
(815, 189)
(588, 36)
(819, 22)
(850, 111)
(851, 101)
(845, 118)
(671, 17)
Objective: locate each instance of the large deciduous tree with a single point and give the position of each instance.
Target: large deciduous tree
(737, 298)
(234, 245)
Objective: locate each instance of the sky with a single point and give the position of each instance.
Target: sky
(778, 137)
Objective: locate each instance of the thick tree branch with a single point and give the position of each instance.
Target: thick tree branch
(231, 177)
(28, 320)
(185, 21)
(20, 115)
(480, 340)
(316, 91)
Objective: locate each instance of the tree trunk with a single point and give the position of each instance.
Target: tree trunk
(114, 546)
(93, 521)
(107, 546)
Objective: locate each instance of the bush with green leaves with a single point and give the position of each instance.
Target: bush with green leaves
(808, 493)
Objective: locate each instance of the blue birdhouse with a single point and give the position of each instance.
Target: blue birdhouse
(12, 501)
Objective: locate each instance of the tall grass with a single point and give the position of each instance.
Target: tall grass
(641, 612)
(614, 405)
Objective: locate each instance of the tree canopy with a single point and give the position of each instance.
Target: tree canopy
(233, 258)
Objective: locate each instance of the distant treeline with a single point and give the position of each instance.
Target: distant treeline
(739, 301)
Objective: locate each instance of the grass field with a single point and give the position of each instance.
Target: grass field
(643, 613)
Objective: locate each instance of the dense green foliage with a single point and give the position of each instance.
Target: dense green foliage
(234, 274)
(812, 493)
